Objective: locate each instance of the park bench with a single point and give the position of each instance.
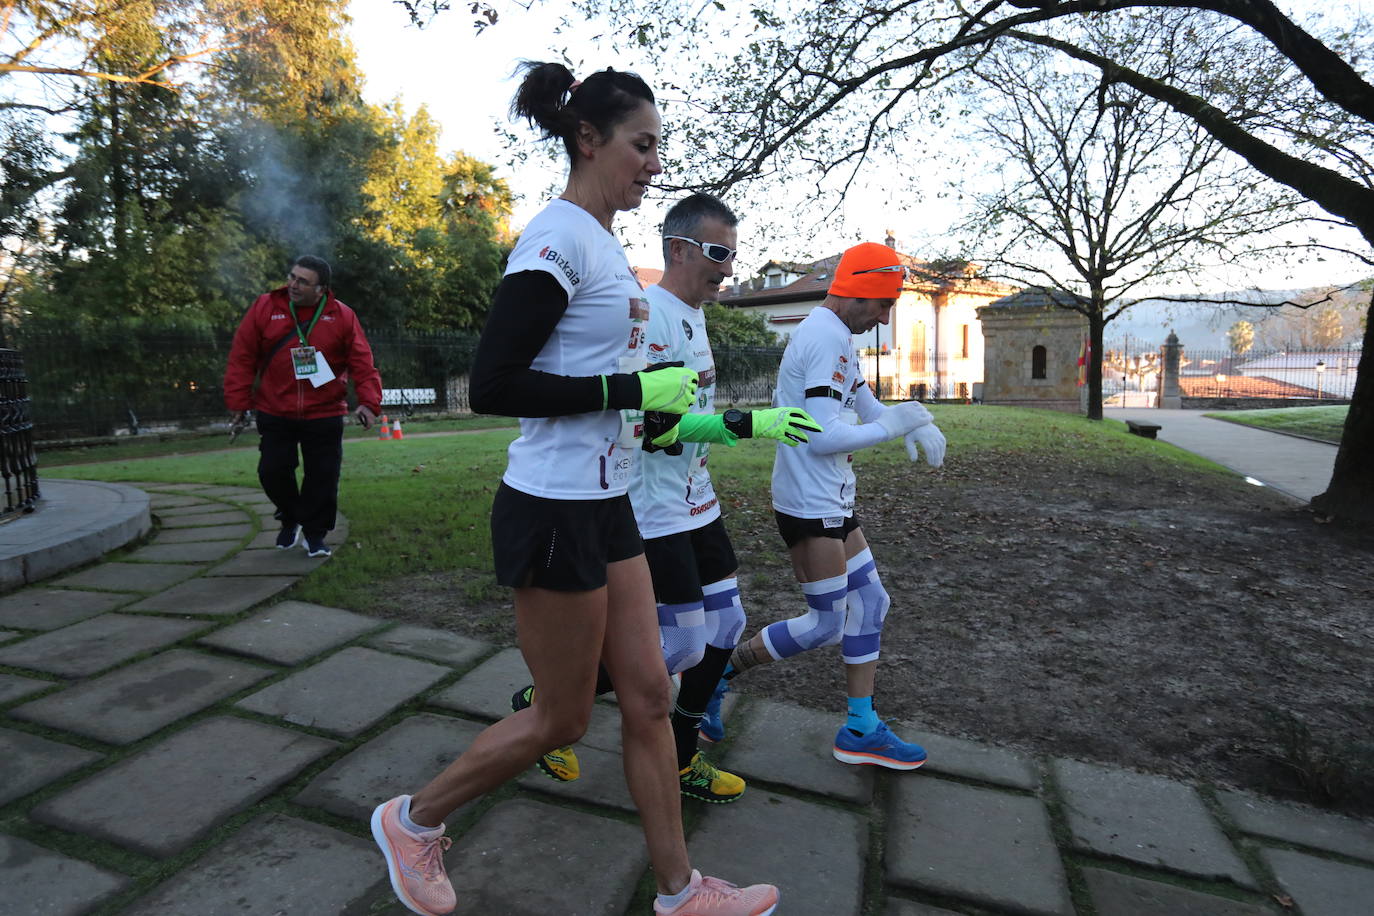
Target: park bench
(406, 399)
(1147, 430)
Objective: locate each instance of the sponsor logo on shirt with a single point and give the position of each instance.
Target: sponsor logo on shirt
(704, 507)
(706, 377)
(686, 329)
(658, 348)
(278, 317)
(563, 264)
(635, 334)
(838, 376)
(639, 309)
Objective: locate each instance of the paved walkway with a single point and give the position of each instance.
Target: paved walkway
(1298, 467)
(175, 740)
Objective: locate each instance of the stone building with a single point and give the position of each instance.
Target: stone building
(931, 348)
(1031, 349)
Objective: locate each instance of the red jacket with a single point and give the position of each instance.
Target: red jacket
(337, 336)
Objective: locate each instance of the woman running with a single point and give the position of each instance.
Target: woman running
(563, 350)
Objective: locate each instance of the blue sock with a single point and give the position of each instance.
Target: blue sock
(862, 719)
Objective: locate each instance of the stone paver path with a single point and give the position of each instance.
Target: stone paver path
(177, 739)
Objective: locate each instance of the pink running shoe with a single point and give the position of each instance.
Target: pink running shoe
(714, 897)
(415, 861)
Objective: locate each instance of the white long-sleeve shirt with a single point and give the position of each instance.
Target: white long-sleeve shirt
(820, 373)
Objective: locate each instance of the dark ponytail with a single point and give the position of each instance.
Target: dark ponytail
(548, 100)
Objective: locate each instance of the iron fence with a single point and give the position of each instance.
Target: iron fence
(1132, 371)
(746, 375)
(124, 381)
(921, 376)
(1305, 375)
(18, 461)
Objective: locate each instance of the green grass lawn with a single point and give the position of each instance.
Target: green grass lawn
(421, 505)
(153, 445)
(1324, 423)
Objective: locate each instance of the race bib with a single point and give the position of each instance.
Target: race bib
(304, 360)
(308, 365)
(631, 421)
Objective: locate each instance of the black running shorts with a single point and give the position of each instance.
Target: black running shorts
(682, 563)
(795, 530)
(560, 544)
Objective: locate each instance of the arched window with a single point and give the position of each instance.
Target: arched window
(1038, 362)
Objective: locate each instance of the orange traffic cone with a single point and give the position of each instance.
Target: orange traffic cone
(385, 432)
(396, 430)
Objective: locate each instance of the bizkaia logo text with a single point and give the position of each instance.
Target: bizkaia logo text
(548, 254)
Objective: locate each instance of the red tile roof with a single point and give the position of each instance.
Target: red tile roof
(1241, 386)
(647, 276)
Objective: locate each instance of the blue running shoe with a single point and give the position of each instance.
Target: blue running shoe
(881, 748)
(712, 728)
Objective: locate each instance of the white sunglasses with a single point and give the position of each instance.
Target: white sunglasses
(718, 253)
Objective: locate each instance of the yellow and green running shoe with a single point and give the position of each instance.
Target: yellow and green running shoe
(701, 780)
(559, 763)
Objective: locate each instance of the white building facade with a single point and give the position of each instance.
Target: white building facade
(932, 348)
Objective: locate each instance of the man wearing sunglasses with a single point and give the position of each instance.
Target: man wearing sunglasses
(292, 356)
(691, 560)
(813, 500)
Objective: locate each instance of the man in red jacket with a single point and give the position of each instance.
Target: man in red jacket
(291, 360)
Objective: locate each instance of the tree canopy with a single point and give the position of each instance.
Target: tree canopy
(819, 89)
(733, 328)
(208, 143)
(1092, 188)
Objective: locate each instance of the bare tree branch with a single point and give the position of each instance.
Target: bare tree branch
(1329, 189)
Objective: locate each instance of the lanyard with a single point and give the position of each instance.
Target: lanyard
(305, 335)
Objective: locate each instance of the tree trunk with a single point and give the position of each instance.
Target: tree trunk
(1350, 495)
(1096, 327)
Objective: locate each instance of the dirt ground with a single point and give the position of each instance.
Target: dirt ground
(1200, 628)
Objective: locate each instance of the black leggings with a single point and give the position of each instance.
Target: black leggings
(313, 503)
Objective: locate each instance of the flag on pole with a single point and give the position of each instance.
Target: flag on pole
(1084, 352)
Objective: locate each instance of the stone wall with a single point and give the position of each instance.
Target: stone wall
(1011, 335)
(1257, 403)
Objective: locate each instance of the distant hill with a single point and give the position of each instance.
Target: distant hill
(1200, 326)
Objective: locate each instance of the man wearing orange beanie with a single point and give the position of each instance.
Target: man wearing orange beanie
(813, 500)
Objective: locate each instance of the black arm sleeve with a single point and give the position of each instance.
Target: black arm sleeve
(527, 307)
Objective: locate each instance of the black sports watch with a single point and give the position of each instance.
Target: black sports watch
(739, 422)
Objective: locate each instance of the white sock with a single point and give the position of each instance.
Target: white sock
(410, 825)
(668, 901)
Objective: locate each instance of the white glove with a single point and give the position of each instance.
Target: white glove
(931, 440)
(900, 419)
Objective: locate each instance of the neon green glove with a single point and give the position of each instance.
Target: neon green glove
(788, 425)
(706, 427)
(670, 389)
